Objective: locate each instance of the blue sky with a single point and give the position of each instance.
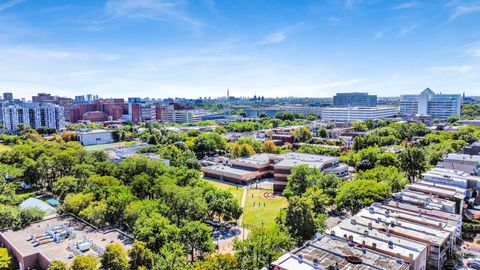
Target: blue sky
(180, 48)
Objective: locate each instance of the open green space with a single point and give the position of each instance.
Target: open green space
(103, 146)
(4, 148)
(236, 191)
(259, 209)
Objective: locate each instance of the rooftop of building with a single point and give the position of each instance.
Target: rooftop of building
(437, 189)
(384, 242)
(462, 157)
(406, 227)
(415, 210)
(360, 108)
(226, 169)
(327, 251)
(422, 199)
(94, 131)
(36, 239)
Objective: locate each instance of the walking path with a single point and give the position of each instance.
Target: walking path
(244, 200)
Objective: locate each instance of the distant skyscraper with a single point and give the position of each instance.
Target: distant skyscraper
(8, 96)
(354, 100)
(80, 99)
(438, 106)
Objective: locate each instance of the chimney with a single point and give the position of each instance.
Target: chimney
(374, 246)
(353, 221)
(369, 225)
(410, 258)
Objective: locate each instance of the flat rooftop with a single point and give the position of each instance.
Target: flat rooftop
(410, 228)
(95, 131)
(463, 157)
(226, 169)
(328, 251)
(20, 239)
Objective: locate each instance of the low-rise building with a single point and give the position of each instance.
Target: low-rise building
(245, 170)
(333, 252)
(94, 137)
(59, 238)
(462, 162)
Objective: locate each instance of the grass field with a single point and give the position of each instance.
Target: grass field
(259, 209)
(236, 191)
(103, 146)
(4, 148)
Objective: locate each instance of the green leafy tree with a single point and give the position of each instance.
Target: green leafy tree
(354, 195)
(388, 175)
(74, 203)
(57, 265)
(95, 213)
(84, 263)
(299, 220)
(64, 186)
(114, 258)
(196, 236)
(302, 134)
(218, 261)
(413, 162)
(155, 230)
(262, 247)
(172, 256)
(140, 256)
(5, 259)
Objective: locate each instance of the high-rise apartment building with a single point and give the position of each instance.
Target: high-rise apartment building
(7, 97)
(354, 100)
(438, 106)
(35, 115)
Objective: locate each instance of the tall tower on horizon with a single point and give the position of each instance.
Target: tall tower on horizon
(228, 93)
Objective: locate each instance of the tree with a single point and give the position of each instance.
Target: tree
(413, 162)
(95, 213)
(218, 261)
(156, 230)
(269, 147)
(299, 220)
(64, 186)
(262, 247)
(208, 144)
(388, 175)
(114, 258)
(171, 256)
(5, 259)
(354, 195)
(140, 256)
(84, 263)
(323, 133)
(57, 265)
(359, 126)
(298, 182)
(246, 150)
(196, 236)
(74, 203)
(29, 215)
(9, 216)
(302, 134)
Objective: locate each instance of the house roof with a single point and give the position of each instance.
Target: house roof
(36, 203)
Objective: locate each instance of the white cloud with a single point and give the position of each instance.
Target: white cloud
(474, 52)
(274, 38)
(459, 69)
(405, 5)
(9, 4)
(379, 34)
(408, 29)
(155, 10)
(279, 36)
(460, 9)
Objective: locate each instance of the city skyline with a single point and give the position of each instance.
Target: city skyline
(195, 49)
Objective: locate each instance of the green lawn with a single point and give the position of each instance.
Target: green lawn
(236, 191)
(103, 146)
(259, 209)
(4, 148)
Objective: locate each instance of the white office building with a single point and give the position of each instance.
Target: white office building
(35, 115)
(184, 116)
(349, 114)
(438, 106)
